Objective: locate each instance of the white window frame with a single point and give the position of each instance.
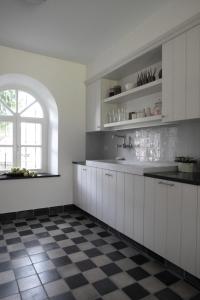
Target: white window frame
(16, 119)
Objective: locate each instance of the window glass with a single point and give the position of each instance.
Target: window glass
(34, 111)
(9, 97)
(31, 157)
(24, 100)
(31, 134)
(6, 133)
(6, 158)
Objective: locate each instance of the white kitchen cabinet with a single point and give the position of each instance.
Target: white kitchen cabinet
(149, 213)
(189, 228)
(83, 202)
(129, 205)
(93, 106)
(120, 202)
(181, 77)
(160, 218)
(198, 236)
(77, 185)
(134, 202)
(99, 194)
(109, 197)
(91, 191)
(174, 207)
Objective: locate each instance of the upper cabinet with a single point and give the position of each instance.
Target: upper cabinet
(181, 77)
(93, 106)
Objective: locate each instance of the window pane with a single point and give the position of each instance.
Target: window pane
(6, 133)
(4, 111)
(31, 157)
(24, 100)
(34, 111)
(31, 134)
(6, 158)
(9, 97)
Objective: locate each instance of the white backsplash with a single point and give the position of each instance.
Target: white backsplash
(161, 143)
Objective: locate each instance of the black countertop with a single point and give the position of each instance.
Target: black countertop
(39, 175)
(190, 178)
(79, 163)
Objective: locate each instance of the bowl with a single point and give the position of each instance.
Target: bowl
(128, 86)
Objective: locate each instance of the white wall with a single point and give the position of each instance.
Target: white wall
(157, 25)
(65, 80)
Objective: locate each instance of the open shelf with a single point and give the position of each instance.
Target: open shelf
(145, 120)
(141, 91)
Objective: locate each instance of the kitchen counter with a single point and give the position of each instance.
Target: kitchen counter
(83, 163)
(190, 178)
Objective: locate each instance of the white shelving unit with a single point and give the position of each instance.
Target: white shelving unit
(133, 122)
(141, 91)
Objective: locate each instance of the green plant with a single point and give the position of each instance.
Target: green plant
(22, 172)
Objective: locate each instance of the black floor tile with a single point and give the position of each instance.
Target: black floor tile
(68, 229)
(76, 281)
(116, 255)
(79, 240)
(136, 291)
(71, 249)
(138, 273)
(93, 252)
(60, 237)
(111, 269)
(85, 232)
(61, 261)
(66, 296)
(50, 246)
(104, 234)
(18, 253)
(13, 241)
(167, 294)
(105, 286)
(85, 265)
(140, 259)
(99, 242)
(119, 245)
(167, 277)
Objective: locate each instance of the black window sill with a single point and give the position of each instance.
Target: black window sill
(39, 175)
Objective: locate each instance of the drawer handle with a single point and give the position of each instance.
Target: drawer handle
(107, 174)
(84, 169)
(165, 183)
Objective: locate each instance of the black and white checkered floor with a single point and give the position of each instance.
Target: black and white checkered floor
(68, 256)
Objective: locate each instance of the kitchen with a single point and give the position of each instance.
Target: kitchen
(100, 150)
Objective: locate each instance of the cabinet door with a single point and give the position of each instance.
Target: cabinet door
(198, 236)
(174, 79)
(149, 213)
(189, 228)
(129, 205)
(83, 203)
(160, 217)
(93, 106)
(109, 197)
(138, 212)
(120, 202)
(193, 73)
(91, 191)
(99, 194)
(174, 206)
(75, 184)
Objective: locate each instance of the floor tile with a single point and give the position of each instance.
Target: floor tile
(167, 277)
(94, 275)
(56, 288)
(85, 265)
(138, 273)
(93, 252)
(8, 289)
(122, 279)
(152, 284)
(116, 295)
(37, 293)
(76, 281)
(68, 271)
(24, 271)
(48, 276)
(86, 292)
(44, 266)
(27, 283)
(71, 249)
(39, 257)
(184, 290)
(167, 294)
(65, 296)
(104, 286)
(135, 291)
(140, 259)
(116, 255)
(111, 269)
(60, 261)
(7, 276)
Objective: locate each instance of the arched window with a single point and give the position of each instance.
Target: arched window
(23, 136)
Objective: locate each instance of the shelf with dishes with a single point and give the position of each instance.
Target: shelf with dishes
(132, 122)
(136, 92)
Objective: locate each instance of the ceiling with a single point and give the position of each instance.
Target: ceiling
(76, 30)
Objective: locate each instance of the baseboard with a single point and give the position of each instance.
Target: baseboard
(49, 211)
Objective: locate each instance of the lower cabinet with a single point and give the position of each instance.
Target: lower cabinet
(109, 197)
(170, 222)
(163, 216)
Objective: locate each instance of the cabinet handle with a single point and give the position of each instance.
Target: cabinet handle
(84, 169)
(107, 174)
(98, 126)
(165, 183)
